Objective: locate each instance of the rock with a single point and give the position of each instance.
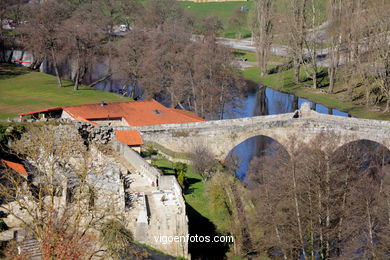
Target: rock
(9, 129)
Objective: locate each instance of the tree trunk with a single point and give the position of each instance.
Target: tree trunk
(59, 82)
(387, 108)
(77, 77)
(297, 68)
(315, 79)
(76, 81)
(10, 55)
(370, 227)
(331, 72)
(99, 80)
(263, 36)
(297, 212)
(274, 223)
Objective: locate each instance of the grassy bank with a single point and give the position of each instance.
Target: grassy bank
(23, 90)
(284, 81)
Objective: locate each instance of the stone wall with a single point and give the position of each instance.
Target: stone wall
(167, 216)
(140, 165)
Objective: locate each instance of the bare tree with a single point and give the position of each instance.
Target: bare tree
(83, 37)
(262, 32)
(63, 198)
(379, 52)
(196, 75)
(41, 33)
(313, 202)
(311, 44)
(203, 162)
(295, 21)
(335, 13)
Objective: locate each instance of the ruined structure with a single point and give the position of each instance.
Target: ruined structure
(125, 187)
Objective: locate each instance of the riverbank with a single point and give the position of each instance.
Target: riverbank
(23, 90)
(284, 82)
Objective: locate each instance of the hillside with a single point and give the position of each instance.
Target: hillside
(23, 90)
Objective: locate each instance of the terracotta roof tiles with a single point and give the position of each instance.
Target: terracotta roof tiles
(17, 167)
(135, 113)
(129, 137)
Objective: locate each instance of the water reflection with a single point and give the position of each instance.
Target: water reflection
(266, 101)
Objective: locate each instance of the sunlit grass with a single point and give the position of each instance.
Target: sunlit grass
(23, 90)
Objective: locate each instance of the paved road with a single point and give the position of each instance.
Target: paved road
(277, 49)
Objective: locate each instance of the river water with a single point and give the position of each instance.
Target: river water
(266, 101)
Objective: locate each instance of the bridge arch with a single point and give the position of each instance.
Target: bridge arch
(353, 139)
(364, 146)
(279, 136)
(256, 146)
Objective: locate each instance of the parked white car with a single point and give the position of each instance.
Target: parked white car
(123, 28)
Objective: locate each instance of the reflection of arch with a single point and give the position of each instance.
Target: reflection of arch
(241, 155)
(268, 139)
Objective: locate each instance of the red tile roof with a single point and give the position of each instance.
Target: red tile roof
(188, 113)
(129, 137)
(17, 167)
(135, 113)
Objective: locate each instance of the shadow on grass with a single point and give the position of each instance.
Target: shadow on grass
(141, 251)
(201, 226)
(165, 170)
(8, 70)
(188, 183)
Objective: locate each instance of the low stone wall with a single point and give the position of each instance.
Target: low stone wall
(139, 164)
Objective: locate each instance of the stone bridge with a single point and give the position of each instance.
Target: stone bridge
(221, 136)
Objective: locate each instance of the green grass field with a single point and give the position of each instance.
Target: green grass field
(23, 90)
(225, 10)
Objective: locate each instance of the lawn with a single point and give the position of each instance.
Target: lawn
(283, 81)
(225, 10)
(23, 90)
(222, 10)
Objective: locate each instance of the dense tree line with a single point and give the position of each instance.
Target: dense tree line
(322, 201)
(160, 56)
(353, 35)
(316, 201)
